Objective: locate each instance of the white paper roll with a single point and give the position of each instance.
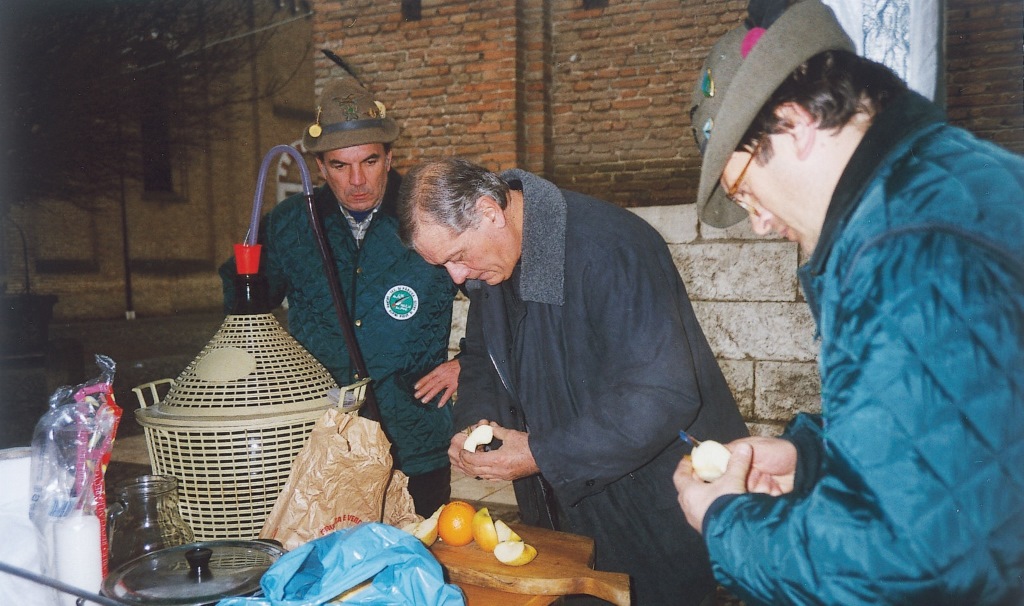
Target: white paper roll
(77, 556)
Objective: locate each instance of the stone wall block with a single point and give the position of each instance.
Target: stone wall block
(677, 224)
(738, 271)
(783, 389)
(769, 430)
(760, 331)
(739, 374)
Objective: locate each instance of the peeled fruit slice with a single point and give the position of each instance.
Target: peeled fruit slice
(515, 553)
(482, 434)
(484, 532)
(425, 530)
(709, 460)
(505, 533)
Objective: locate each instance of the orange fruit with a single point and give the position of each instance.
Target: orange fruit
(455, 524)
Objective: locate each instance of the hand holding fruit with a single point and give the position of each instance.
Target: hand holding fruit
(478, 436)
(510, 462)
(773, 468)
(709, 459)
(696, 495)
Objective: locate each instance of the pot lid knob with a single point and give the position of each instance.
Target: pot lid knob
(199, 564)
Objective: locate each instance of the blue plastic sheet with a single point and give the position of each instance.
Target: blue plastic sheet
(403, 572)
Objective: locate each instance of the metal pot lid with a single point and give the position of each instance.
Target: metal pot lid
(192, 574)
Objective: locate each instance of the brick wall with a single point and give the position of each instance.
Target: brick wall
(985, 69)
(596, 100)
(621, 86)
(449, 79)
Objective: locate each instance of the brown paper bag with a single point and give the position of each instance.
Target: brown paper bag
(342, 477)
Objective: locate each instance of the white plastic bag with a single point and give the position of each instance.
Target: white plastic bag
(19, 545)
(71, 447)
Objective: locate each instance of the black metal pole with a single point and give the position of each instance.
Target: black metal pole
(59, 586)
(370, 408)
(24, 256)
(129, 306)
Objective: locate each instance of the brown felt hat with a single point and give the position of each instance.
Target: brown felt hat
(347, 116)
(731, 89)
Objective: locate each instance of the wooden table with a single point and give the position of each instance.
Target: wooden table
(485, 596)
(563, 566)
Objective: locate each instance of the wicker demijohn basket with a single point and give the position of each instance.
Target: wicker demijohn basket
(233, 422)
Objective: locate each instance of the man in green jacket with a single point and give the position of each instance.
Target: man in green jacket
(400, 307)
(909, 487)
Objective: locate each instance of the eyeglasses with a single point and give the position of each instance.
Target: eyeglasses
(734, 189)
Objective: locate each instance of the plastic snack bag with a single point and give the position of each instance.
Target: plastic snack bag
(71, 448)
(369, 564)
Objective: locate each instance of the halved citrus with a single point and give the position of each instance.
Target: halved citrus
(455, 524)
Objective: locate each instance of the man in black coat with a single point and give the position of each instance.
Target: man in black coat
(583, 351)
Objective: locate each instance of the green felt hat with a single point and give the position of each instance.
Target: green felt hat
(347, 116)
(742, 71)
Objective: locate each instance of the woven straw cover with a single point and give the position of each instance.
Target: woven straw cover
(234, 421)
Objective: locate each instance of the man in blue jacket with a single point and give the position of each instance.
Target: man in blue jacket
(909, 487)
(400, 306)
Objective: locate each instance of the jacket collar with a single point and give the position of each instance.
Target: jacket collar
(542, 278)
(905, 117)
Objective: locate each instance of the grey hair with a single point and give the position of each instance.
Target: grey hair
(445, 192)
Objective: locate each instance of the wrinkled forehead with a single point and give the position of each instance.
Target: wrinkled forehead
(436, 243)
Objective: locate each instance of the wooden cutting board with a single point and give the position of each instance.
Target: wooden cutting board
(563, 566)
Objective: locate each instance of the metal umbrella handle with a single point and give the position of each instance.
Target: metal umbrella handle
(370, 409)
(60, 586)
